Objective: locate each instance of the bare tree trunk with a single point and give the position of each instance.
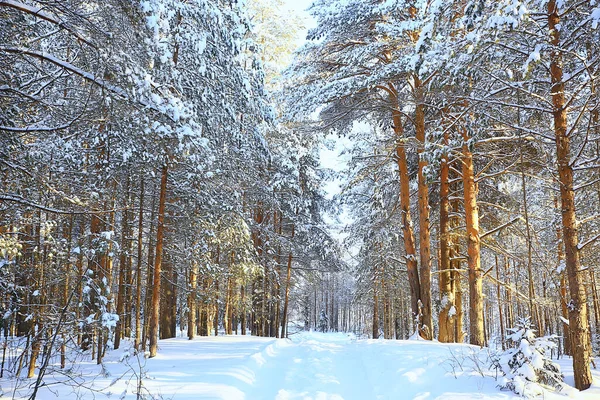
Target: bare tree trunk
(423, 201)
(578, 313)
(229, 301)
(149, 277)
(459, 336)
(446, 319)
(80, 271)
(386, 310)
(531, 291)
(155, 305)
(129, 299)
(35, 351)
(203, 318)
(168, 298)
(243, 308)
(277, 284)
(509, 303)
(66, 290)
(500, 316)
(138, 271)
(375, 312)
(192, 301)
(284, 317)
(94, 267)
(122, 266)
(258, 298)
(476, 331)
(216, 305)
(594, 296)
(407, 226)
(105, 276)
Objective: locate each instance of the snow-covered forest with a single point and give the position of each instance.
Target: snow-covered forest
(201, 199)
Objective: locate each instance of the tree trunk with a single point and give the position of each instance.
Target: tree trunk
(446, 319)
(216, 305)
(243, 308)
(423, 202)
(149, 275)
(258, 287)
(595, 301)
(476, 331)
(530, 287)
(458, 293)
(578, 318)
(407, 226)
(277, 286)
(284, 317)
(35, 351)
(203, 318)
(509, 303)
(229, 301)
(155, 305)
(94, 262)
(66, 290)
(192, 301)
(129, 299)
(500, 316)
(168, 297)
(375, 312)
(122, 266)
(138, 271)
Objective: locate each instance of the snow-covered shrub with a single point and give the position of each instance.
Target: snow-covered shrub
(526, 367)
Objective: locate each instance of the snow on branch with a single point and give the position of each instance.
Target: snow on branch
(580, 246)
(39, 13)
(32, 128)
(512, 221)
(78, 71)
(15, 198)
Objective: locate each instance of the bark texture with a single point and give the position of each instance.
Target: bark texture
(155, 304)
(577, 304)
(476, 328)
(407, 225)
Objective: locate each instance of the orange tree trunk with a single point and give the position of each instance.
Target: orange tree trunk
(407, 226)
(149, 275)
(578, 313)
(476, 331)
(286, 297)
(424, 235)
(375, 312)
(193, 279)
(155, 304)
(446, 320)
(122, 272)
(563, 288)
(138, 271)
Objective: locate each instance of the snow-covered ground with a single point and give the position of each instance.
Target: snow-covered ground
(310, 366)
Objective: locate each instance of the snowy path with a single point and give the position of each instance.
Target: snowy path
(312, 366)
(316, 369)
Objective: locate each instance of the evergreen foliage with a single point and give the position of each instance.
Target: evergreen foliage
(526, 365)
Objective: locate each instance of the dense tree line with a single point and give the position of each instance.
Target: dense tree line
(146, 183)
(476, 129)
